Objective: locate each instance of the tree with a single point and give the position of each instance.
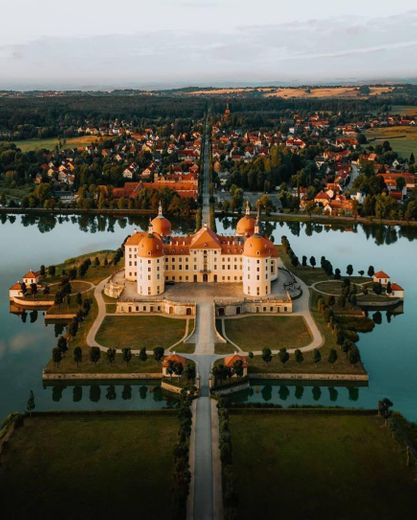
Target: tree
(78, 355)
(62, 344)
(79, 299)
(354, 356)
(349, 270)
(143, 356)
(377, 288)
(42, 270)
(316, 356)
(283, 355)
(238, 367)
(51, 270)
(250, 355)
(73, 327)
(190, 372)
(299, 356)
(30, 405)
(95, 354)
(56, 355)
(332, 356)
(400, 183)
(158, 353)
(384, 408)
(111, 354)
(127, 355)
(361, 272)
(337, 274)
(389, 288)
(313, 262)
(266, 355)
(304, 261)
(371, 271)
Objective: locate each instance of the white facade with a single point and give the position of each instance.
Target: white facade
(150, 276)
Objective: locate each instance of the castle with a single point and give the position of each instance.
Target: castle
(155, 258)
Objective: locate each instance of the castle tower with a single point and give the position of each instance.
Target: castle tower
(246, 225)
(258, 264)
(160, 224)
(150, 265)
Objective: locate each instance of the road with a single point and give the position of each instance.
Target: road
(206, 470)
(205, 178)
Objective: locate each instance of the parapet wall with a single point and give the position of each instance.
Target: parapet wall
(162, 306)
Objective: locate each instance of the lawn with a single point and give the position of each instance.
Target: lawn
(90, 466)
(50, 143)
(404, 110)
(140, 331)
(275, 332)
(308, 466)
(403, 139)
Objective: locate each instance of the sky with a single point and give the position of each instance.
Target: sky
(168, 43)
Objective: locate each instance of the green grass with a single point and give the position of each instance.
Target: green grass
(224, 348)
(119, 366)
(27, 145)
(404, 110)
(256, 332)
(403, 139)
(319, 467)
(90, 466)
(140, 331)
(185, 348)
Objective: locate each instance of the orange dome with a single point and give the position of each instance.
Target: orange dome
(150, 246)
(162, 226)
(258, 246)
(246, 226)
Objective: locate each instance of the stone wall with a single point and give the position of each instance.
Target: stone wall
(163, 306)
(360, 378)
(266, 306)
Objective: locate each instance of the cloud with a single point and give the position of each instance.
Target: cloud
(317, 49)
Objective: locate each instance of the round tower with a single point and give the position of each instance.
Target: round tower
(150, 265)
(257, 264)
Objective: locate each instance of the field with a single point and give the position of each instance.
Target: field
(404, 110)
(274, 332)
(294, 92)
(403, 139)
(313, 466)
(326, 92)
(140, 331)
(28, 145)
(90, 466)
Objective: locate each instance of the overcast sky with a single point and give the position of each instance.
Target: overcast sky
(102, 43)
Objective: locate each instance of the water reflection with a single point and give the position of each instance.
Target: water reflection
(85, 394)
(289, 394)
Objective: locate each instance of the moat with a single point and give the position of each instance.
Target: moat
(389, 352)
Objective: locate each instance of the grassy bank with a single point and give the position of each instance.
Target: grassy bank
(319, 466)
(90, 466)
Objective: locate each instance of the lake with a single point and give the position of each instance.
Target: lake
(389, 352)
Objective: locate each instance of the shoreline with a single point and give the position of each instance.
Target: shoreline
(274, 217)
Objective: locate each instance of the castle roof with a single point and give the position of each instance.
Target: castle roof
(205, 238)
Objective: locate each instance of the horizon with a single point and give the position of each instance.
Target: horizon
(205, 43)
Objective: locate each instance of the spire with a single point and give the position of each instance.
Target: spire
(160, 209)
(247, 210)
(258, 222)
